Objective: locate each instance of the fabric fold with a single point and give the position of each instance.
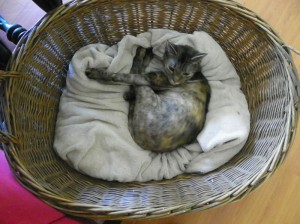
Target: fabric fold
(92, 125)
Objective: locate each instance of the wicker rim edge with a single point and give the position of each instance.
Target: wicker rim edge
(95, 212)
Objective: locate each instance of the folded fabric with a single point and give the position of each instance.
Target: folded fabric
(92, 125)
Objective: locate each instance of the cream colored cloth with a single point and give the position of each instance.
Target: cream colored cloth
(92, 125)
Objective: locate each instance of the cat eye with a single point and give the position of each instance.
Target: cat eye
(171, 68)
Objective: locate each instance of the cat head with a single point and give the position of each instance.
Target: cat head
(181, 62)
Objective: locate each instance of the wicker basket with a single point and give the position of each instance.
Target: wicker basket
(32, 93)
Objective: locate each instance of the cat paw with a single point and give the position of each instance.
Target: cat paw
(140, 52)
(130, 95)
(98, 74)
(141, 60)
(91, 73)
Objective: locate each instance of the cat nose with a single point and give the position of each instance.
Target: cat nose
(173, 83)
(177, 80)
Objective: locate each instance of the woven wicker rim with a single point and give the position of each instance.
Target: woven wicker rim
(100, 212)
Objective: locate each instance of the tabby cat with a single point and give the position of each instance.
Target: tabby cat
(168, 109)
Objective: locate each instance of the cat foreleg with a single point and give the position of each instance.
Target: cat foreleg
(154, 79)
(102, 75)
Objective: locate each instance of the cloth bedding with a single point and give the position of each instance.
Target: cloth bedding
(92, 125)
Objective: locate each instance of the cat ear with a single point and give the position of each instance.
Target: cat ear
(198, 57)
(171, 48)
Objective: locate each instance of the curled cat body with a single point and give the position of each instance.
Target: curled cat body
(168, 108)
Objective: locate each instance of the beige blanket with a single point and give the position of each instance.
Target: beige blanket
(92, 124)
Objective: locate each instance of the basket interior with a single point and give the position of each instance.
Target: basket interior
(34, 98)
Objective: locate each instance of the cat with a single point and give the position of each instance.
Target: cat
(168, 108)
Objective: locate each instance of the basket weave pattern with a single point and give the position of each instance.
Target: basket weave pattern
(266, 70)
